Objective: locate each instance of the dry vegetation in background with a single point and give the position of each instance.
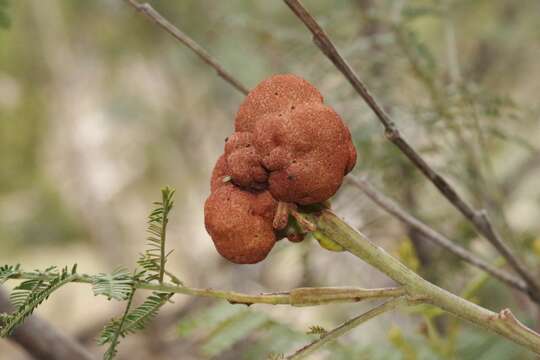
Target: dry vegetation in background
(99, 108)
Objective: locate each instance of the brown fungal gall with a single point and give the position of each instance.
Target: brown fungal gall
(240, 223)
(278, 93)
(243, 162)
(308, 152)
(289, 148)
(303, 144)
(219, 174)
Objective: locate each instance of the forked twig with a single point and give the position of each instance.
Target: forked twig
(392, 208)
(478, 219)
(421, 289)
(347, 326)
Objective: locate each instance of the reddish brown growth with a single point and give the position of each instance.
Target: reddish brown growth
(288, 147)
(240, 223)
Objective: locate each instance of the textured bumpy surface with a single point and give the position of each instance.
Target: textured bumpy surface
(240, 223)
(288, 147)
(275, 94)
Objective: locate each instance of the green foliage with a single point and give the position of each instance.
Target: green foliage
(274, 356)
(153, 260)
(5, 21)
(30, 294)
(8, 271)
(21, 293)
(23, 137)
(132, 321)
(474, 345)
(231, 331)
(407, 254)
(317, 330)
(117, 285)
(412, 12)
(222, 327)
(208, 318)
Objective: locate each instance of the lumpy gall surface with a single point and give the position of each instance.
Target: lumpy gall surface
(240, 223)
(288, 147)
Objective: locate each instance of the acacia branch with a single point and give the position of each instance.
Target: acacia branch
(295, 297)
(502, 323)
(347, 326)
(479, 219)
(392, 133)
(156, 17)
(413, 287)
(429, 233)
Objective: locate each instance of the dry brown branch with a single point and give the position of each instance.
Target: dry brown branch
(156, 17)
(478, 218)
(392, 208)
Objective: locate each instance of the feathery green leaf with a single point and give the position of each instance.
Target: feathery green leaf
(8, 271)
(117, 285)
(153, 260)
(317, 330)
(131, 321)
(30, 294)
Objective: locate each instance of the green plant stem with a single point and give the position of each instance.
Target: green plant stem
(295, 297)
(503, 323)
(478, 218)
(413, 287)
(163, 235)
(346, 327)
(114, 342)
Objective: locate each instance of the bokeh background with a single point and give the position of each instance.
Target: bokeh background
(99, 109)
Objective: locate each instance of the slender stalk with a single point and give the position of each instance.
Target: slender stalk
(114, 342)
(478, 219)
(502, 323)
(163, 234)
(414, 287)
(295, 297)
(392, 208)
(156, 17)
(346, 327)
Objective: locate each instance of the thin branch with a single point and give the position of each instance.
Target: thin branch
(346, 327)
(295, 297)
(111, 351)
(478, 218)
(156, 17)
(360, 246)
(429, 233)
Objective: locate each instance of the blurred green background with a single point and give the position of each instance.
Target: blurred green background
(99, 109)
